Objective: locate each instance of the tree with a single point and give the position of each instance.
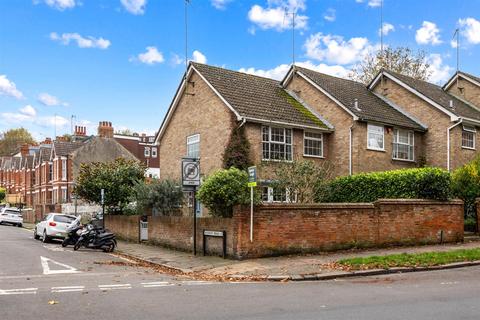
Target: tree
(223, 190)
(117, 178)
(237, 152)
(166, 196)
(2, 194)
(11, 140)
(303, 179)
(401, 60)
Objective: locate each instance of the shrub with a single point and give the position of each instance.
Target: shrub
(223, 190)
(304, 179)
(466, 185)
(420, 183)
(2, 194)
(164, 195)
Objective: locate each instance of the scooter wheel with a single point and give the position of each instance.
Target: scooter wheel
(64, 243)
(76, 247)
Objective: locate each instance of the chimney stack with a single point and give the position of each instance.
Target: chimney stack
(80, 131)
(47, 141)
(105, 129)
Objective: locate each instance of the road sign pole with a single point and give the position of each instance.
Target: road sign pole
(251, 214)
(194, 221)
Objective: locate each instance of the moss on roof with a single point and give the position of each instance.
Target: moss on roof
(300, 107)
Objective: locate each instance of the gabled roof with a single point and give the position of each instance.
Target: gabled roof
(251, 98)
(369, 106)
(64, 148)
(467, 76)
(435, 95)
(43, 154)
(28, 162)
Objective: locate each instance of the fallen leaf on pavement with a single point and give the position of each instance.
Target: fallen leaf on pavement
(51, 302)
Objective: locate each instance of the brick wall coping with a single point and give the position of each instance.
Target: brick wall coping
(301, 206)
(418, 201)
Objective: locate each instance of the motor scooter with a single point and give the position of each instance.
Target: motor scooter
(73, 232)
(96, 238)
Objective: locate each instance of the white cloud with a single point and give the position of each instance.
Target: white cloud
(60, 5)
(439, 71)
(428, 34)
(136, 7)
(151, 56)
(52, 121)
(276, 15)
(82, 42)
(374, 3)
(220, 4)
(330, 15)
(28, 110)
(335, 50)
(49, 100)
(24, 115)
(176, 59)
(386, 28)
(8, 88)
(199, 57)
(470, 30)
(279, 72)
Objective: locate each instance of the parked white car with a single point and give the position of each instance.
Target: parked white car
(53, 226)
(11, 216)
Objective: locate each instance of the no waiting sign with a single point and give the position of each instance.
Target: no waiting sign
(190, 172)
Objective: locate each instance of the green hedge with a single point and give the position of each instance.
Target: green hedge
(421, 183)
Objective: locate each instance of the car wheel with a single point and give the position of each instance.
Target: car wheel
(19, 225)
(35, 234)
(45, 238)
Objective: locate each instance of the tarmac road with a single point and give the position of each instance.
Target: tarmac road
(80, 288)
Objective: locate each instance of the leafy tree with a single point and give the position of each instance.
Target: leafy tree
(401, 60)
(165, 195)
(11, 140)
(2, 194)
(118, 178)
(302, 179)
(223, 190)
(466, 185)
(125, 132)
(237, 153)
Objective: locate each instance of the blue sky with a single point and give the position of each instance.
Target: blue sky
(122, 60)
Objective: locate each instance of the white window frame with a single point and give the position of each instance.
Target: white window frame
(146, 152)
(193, 140)
(470, 130)
(284, 142)
(411, 145)
(154, 152)
(63, 195)
(270, 190)
(372, 126)
(305, 138)
(64, 169)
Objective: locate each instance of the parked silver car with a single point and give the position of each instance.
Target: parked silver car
(11, 216)
(53, 226)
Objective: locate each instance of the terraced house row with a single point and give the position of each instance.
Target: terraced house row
(44, 174)
(394, 122)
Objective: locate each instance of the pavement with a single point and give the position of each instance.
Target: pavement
(295, 267)
(91, 284)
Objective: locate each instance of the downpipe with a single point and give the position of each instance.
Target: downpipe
(448, 142)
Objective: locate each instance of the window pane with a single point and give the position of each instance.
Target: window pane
(375, 136)
(278, 135)
(468, 139)
(313, 144)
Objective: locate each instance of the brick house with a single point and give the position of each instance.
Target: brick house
(211, 102)
(464, 85)
(144, 148)
(371, 134)
(451, 119)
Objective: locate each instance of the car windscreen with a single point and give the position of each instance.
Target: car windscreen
(13, 212)
(63, 219)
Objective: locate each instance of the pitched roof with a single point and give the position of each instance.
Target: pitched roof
(64, 148)
(258, 98)
(438, 95)
(469, 75)
(370, 106)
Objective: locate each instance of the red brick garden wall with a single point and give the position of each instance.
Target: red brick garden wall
(283, 229)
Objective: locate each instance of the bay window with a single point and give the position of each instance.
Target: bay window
(276, 143)
(403, 145)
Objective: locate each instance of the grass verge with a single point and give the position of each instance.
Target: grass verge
(425, 259)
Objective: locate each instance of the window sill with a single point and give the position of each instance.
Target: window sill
(378, 150)
(468, 148)
(312, 156)
(273, 160)
(403, 160)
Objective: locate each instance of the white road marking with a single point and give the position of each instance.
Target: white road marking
(46, 269)
(19, 291)
(55, 248)
(115, 286)
(197, 283)
(68, 289)
(156, 284)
